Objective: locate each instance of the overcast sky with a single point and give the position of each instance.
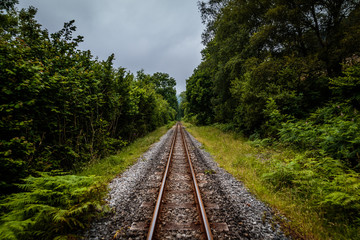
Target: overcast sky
(154, 35)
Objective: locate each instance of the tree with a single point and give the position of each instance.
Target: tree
(183, 106)
(270, 49)
(165, 86)
(60, 107)
(198, 97)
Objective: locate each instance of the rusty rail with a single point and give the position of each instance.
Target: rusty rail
(205, 223)
(200, 203)
(162, 188)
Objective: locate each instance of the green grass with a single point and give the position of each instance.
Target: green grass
(55, 205)
(249, 163)
(109, 167)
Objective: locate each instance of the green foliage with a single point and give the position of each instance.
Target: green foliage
(198, 97)
(283, 50)
(225, 127)
(333, 129)
(61, 108)
(318, 195)
(287, 71)
(348, 86)
(50, 206)
(281, 69)
(330, 188)
(275, 118)
(183, 105)
(165, 86)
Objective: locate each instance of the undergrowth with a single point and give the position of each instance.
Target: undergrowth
(333, 129)
(51, 206)
(318, 194)
(59, 205)
(110, 166)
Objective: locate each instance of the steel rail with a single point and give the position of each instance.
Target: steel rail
(162, 188)
(204, 218)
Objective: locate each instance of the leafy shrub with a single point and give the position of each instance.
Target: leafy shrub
(50, 206)
(334, 129)
(300, 134)
(283, 176)
(190, 118)
(329, 186)
(273, 118)
(348, 85)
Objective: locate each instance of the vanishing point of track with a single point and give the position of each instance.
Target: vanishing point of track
(179, 183)
(233, 213)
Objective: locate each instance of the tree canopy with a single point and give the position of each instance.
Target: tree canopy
(60, 107)
(267, 62)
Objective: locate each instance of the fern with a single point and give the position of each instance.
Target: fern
(51, 206)
(333, 129)
(328, 185)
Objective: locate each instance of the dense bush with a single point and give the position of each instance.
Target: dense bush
(329, 187)
(50, 206)
(333, 129)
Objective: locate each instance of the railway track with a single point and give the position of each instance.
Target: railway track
(157, 198)
(179, 204)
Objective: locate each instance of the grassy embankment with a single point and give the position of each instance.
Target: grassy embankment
(251, 164)
(54, 205)
(107, 168)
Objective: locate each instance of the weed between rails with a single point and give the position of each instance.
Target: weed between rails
(319, 196)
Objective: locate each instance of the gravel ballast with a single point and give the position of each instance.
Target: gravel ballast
(245, 216)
